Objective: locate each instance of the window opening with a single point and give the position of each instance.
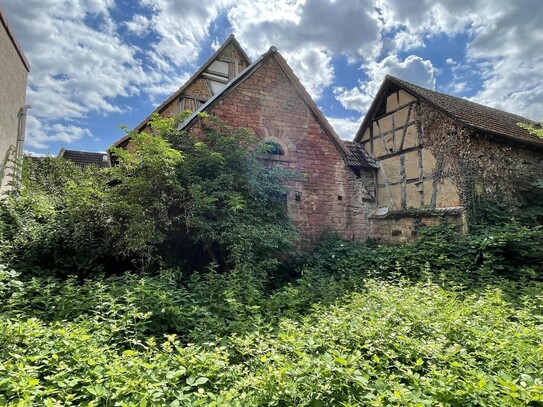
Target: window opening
(274, 148)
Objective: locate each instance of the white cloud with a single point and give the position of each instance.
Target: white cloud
(40, 134)
(503, 48)
(346, 128)
(139, 25)
(510, 46)
(181, 27)
(460, 87)
(76, 69)
(303, 64)
(429, 17)
(412, 69)
(82, 66)
(308, 33)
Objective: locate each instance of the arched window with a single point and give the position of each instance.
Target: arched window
(273, 148)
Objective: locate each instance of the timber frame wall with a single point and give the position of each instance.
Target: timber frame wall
(410, 176)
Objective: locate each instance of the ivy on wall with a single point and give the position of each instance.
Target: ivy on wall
(496, 181)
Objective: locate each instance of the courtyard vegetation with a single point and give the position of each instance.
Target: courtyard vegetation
(172, 279)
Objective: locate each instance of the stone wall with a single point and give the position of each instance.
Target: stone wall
(404, 226)
(481, 166)
(330, 197)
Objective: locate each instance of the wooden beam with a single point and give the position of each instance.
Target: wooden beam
(389, 192)
(409, 181)
(393, 134)
(406, 126)
(386, 133)
(421, 177)
(371, 140)
(397, 109)
(403, 186)
(405, 151)
(438, 173)
(382, 136)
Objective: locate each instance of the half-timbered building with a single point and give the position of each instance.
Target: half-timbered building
(437, 152)
(228, 61)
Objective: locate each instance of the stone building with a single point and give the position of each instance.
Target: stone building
(13, 78)
(438, 153)
(417, 155)
(336, 191)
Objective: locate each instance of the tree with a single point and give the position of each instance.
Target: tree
(173, 199)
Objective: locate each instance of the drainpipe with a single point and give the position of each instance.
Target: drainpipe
(21, 131)
(20, 144)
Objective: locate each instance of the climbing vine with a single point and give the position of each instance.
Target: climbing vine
(496, 181)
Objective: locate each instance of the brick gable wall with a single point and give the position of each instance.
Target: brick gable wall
(330, 197)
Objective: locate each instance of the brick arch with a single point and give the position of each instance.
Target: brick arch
(276, 136)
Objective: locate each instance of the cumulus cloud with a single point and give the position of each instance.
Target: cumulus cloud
(412, 69)
(77, 68)
(510, 44)
(140, 25)
(308, 33)
(503, 48)
(39, 134)
(346, 128)
(90, 57)
(82, 66)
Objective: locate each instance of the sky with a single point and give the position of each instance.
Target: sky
(100, 64)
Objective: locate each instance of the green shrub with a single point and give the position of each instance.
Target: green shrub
(387, 344)
(171, 200)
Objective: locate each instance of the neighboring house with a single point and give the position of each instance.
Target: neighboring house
(84, 158)
(224, 65)
(13, 77)
(438, 153)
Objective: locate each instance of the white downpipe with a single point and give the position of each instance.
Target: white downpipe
(21, 131)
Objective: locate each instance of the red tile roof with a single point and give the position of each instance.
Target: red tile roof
(473, 115)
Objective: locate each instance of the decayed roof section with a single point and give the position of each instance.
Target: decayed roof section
(287, 70)
(470, 114)
(358, 157)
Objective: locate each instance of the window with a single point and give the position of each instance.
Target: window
(274, 148)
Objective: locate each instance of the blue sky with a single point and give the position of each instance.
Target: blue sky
(98, 64)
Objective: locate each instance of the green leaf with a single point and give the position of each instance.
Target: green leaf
(200, 381)
(341, 361)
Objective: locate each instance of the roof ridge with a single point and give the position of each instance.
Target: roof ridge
(287, 70)
(402, 81)
(468, 113)
(230, 40)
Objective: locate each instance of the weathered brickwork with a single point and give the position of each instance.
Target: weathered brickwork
(330, 197)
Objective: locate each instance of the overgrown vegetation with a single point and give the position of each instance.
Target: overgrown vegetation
(361, 325)
(207, 200)
(164, 281)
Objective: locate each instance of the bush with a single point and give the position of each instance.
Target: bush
(386, 344)
(207, 201)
